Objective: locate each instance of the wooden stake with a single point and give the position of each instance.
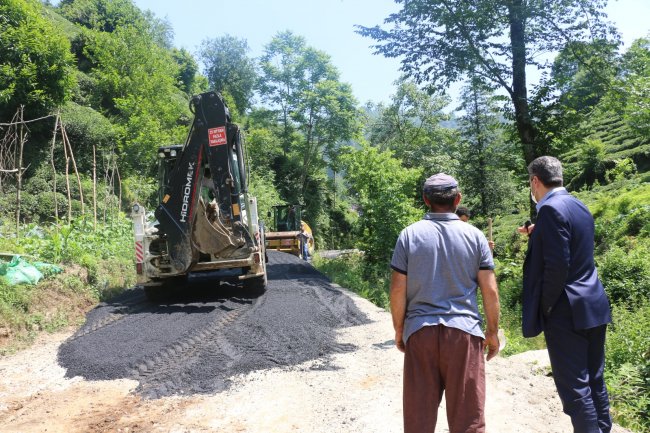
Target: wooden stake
(490, 229)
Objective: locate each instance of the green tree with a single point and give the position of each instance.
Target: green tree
(411, 127)
(440, 41)
(315, 111)
(631, 94)
(188, 78)
(229, 69)
(582, 73)
(136, 84)
(488, 157)
(109, 15)
(384, 191)
(35, 61)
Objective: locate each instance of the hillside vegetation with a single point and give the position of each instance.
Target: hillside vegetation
(90, 88)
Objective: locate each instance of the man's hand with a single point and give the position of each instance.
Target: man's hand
(399, 341)
(526, 229)
(491, 344)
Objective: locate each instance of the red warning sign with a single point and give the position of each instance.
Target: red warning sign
(217, 136)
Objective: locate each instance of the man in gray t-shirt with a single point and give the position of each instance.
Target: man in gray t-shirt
(438, 265)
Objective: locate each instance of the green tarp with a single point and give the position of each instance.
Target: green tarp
(20, 271)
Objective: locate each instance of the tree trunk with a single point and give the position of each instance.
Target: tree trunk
(519, 95)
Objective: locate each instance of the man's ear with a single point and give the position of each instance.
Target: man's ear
(457, 200)
(426, 201)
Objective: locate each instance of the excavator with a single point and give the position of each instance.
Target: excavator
(285, 228)
(206, 220)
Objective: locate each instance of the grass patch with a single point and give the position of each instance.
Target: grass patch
(349, 271)
(98, 264)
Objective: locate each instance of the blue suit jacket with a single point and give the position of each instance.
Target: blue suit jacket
(560, 259)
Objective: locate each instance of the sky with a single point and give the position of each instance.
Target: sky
(328, 25)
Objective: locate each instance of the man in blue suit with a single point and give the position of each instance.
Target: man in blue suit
(564, 298)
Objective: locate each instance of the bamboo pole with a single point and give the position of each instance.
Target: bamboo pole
(67, 176)
(74, 166)
(56, 204)
(111, 188)
(94, 186)
(19, 173)
(119, 187)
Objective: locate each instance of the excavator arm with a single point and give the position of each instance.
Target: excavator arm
(193, 223)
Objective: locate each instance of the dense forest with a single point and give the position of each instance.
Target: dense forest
(90, 88)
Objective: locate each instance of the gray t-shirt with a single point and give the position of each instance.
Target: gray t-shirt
(441, 256)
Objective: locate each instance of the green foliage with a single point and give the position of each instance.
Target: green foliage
(187, 72)
(410, 126)
(15, 297)
(261, 186)
(629, 396)
(109, 15)
(623, 169)
(489, 158)
(140, 189)
(589, 167)
(229, 69)
(441, 43)
(628, 340)
(628, 365)
(86, 127)
(143, 94)
(384, 191)
(35, 61)
(313, 113)
(625, 273)
(631, 94)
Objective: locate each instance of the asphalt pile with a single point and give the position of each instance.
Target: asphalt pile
(206, 332)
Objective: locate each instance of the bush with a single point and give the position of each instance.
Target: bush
(625, 273)
(628, 365)
(629, 397)
(623, 169)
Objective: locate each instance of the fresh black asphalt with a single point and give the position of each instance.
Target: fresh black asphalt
(205, 332)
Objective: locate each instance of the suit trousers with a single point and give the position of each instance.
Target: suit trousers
(578, 361)
(437, 359)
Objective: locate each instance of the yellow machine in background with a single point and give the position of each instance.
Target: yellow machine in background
(284, 234)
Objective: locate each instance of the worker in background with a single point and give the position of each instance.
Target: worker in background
(464, 215)
(304, 237)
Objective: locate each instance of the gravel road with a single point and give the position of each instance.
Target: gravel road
(308, 357)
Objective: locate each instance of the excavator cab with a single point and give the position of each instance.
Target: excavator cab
(167, 156)
(284, 234)
(287, 218)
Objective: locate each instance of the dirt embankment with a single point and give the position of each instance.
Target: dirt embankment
(306, 357)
